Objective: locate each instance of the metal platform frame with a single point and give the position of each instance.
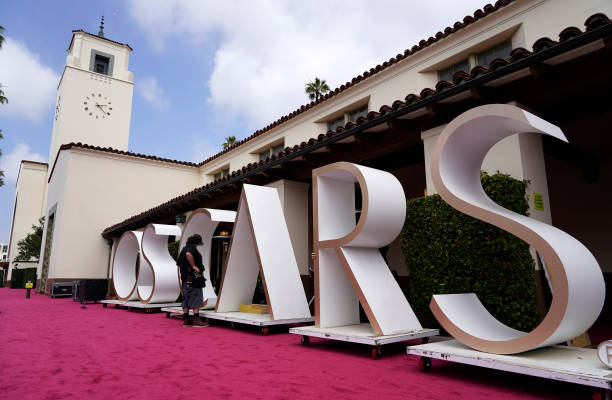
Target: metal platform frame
(562, 363)
(178, 311)
(131, 305)
(263, 321)
(361, 333)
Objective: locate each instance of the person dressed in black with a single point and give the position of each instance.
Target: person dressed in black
(190, 261)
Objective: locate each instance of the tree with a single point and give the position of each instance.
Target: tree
(1, 172)
(229, 142)
(3, 100)
(29, 247)
(315, 89)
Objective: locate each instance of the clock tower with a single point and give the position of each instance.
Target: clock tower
(94, 95)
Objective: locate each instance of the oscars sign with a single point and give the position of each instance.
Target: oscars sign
(144, 270)
(576, 278)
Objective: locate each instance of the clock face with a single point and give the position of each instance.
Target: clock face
(98, 106)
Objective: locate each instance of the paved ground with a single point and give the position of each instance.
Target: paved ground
(54, 349)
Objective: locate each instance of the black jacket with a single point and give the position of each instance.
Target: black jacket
(183, 263)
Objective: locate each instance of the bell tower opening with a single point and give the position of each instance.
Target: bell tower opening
(101, 64)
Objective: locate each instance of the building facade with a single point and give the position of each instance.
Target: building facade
(549, 57)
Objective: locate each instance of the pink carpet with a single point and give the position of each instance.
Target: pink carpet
(53, 349)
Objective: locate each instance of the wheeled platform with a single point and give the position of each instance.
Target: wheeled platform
(360, 333)
(131, 305)
(261, 320)
(562, 363)
(178, 311)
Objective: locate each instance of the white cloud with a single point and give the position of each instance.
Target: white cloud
(29, 85)
(202, 149)
(150, 90)
(267, 51)
(9, 163)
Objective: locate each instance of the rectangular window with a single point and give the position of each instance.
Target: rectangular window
(271, 151)
(4, 249)
(333, 124)
(360, 112)
(222, 173)
(447, 73)
(501, 50)
(101, 64)
(277, 149)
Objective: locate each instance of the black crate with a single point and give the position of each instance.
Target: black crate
(75, 291)
(92, 290)
(61, 289)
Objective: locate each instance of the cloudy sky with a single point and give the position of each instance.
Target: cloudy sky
(203, 69)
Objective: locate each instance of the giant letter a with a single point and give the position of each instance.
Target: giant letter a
(261, 243)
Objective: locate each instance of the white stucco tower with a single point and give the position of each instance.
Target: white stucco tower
(94, 95)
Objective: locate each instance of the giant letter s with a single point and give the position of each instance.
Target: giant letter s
(576, 278)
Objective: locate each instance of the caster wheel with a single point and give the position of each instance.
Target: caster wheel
(376, 352)
(167, 315)
(305, 340)
(104, 305)
(425, 340)
(232, 325)
(602, 394)
(264, 331)
(424, 364)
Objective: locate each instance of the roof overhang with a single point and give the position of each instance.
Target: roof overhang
(416, 113)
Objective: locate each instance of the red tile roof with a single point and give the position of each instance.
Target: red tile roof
(597, 26)
(115, 151)
(35, 162)
(478, 14)
(467, 20)
(96, 36)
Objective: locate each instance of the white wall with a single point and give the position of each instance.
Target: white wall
(72, 123)
(93, 190)
(28, 206)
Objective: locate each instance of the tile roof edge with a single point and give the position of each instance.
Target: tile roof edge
(593, 22)
(467, 20)
(99, 37)
(110, 150)
(34, 162)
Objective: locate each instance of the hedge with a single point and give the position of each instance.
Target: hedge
(173, 249)
(447, 251)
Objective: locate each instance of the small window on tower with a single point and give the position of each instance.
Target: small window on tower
(101, 64)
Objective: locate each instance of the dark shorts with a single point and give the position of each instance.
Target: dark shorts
(192, 297)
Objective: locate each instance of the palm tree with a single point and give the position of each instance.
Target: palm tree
(315, 89)
(3, 99)
(229, 142)
(1, 172)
